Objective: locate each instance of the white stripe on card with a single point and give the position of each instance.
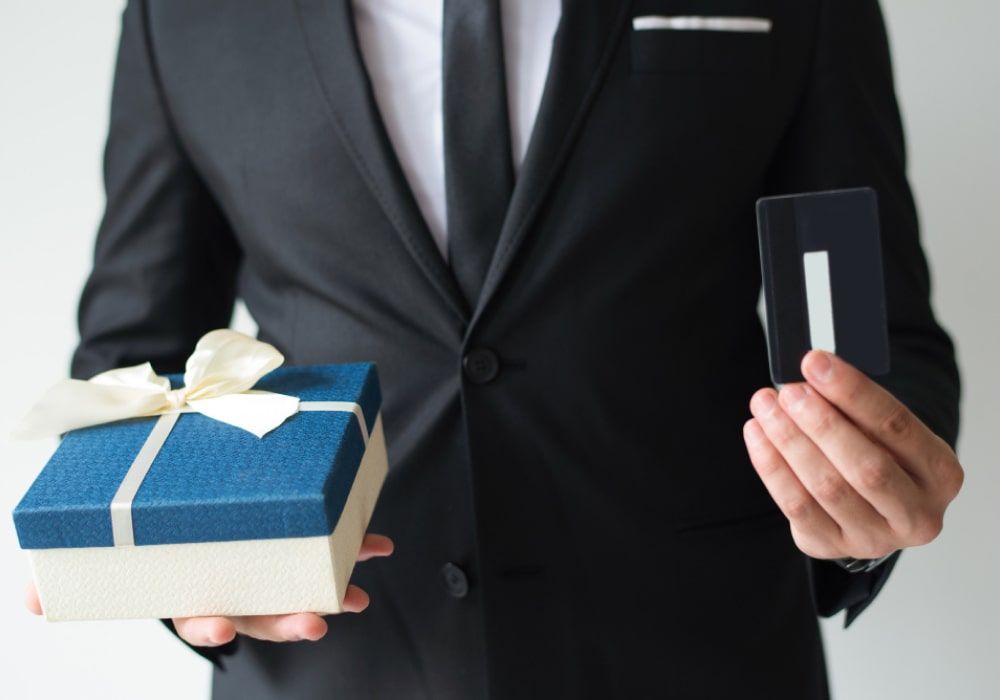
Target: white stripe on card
(704, 24)
(819, 300)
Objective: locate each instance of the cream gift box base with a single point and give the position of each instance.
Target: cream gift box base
(248, 577)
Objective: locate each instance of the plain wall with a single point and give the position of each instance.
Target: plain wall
(932, 633)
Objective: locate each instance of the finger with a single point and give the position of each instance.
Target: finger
(866, 466)
(375, 546)
(881, 415)
(31, 600)
(857, 519)
(355, 599)
(205, 631)
(299, 626)
(282, 628)
(817, 534)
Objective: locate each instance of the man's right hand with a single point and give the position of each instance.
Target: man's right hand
(214, 631)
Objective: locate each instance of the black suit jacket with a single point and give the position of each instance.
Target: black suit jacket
(595, 493)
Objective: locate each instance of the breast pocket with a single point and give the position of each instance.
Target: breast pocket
(708, 44)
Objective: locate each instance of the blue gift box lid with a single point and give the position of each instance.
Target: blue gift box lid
(211, 481)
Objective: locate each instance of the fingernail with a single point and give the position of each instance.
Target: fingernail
(819, 366)
(763, 403)
(792, 396)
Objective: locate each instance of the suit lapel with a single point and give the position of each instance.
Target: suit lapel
(581, 51)
(328, 26)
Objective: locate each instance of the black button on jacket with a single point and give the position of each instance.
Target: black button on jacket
(481, 365)
(246, 158)
(456, 582)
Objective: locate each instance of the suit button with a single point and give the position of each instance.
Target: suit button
(455, 580)
(481, 365)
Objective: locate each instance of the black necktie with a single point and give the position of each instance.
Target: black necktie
(479, 173)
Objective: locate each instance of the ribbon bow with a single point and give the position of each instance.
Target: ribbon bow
(218, 378)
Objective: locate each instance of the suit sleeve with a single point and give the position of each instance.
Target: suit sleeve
(847, 132)
(165, 262)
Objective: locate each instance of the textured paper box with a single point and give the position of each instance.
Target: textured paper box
(225, 523)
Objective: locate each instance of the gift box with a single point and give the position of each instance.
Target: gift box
(208, 518)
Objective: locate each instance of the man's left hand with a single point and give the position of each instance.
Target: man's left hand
(854, 471)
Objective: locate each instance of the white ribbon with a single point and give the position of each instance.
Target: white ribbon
(217, 383)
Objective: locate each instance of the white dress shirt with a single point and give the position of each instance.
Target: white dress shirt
(401, 47)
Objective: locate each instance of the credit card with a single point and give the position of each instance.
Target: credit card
(821, 267)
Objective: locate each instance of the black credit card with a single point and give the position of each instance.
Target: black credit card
(821, 265)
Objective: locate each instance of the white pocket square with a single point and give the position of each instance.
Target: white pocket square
(759, 25)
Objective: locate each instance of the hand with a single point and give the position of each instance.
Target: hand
(853, 470)
(213, 631)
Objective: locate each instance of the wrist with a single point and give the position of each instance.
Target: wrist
(860, 566)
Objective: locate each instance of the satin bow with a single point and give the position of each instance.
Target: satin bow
(217, 383)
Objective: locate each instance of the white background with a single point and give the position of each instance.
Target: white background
(932, 634)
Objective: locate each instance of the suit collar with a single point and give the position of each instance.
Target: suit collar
(328, 26)
(581, 51)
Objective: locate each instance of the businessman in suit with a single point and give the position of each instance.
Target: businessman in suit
(537, 218)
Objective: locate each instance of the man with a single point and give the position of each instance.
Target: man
(544, 236)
